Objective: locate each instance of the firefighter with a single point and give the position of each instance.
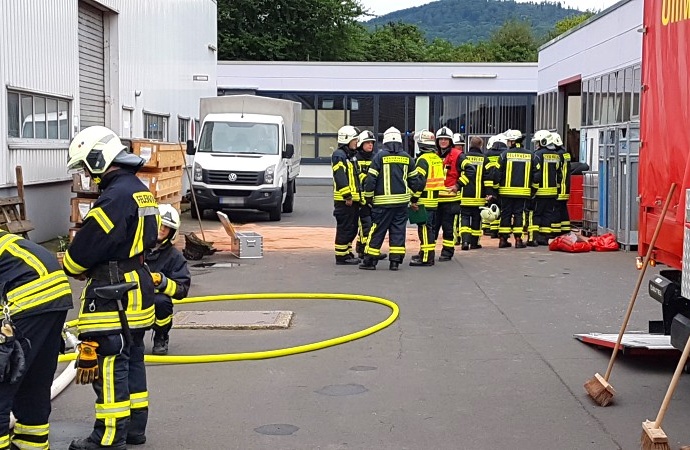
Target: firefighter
(109, 249)
(446, 219)
(546, 181)
(472, 187)
(495, 147)
(365, 153)
(346, 195)
(459, 142)
(34, 298)
(429, 166)
(562, 225)
(387, 187)
(515, 173)
(171, 276)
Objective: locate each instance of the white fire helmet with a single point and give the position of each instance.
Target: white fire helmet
(490, 213)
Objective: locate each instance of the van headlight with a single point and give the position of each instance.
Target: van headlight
(198, 173)
(268, 176)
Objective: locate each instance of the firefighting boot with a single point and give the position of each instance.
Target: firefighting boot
(393, 265)
(88, 444)
(417, 257)
(446, 254)
(160, 343)
(494, 234)
(474, 242)
(346, 260)
(418, 261)
(541, 239)
(382, 256)
(519, 243)
(532, 243)
(369, 263)
(465, 242)
(503, 242)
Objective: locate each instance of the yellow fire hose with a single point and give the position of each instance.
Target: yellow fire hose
(266, 354)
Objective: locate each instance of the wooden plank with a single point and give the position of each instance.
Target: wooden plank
(20, 191)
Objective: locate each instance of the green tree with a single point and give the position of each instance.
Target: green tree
(397, 42)
(290, 30)
(513, 42)
(569, 22)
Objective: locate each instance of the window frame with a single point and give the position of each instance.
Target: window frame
(183, 129)
(63, 131)
(164, 118)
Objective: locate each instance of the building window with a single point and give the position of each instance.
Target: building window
(155, 127)
(37, 116)
(197, 129)
(182, 129)
(637, 86)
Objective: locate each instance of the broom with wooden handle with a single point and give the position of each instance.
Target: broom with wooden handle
(598, 387)
(653, 437)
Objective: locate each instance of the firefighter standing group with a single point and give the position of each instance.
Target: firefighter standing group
(452, 192)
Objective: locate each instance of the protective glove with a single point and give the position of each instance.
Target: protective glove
(12, 361)
(157, 278)
(87, 362)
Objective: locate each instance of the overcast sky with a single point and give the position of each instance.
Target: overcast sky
(380, 7)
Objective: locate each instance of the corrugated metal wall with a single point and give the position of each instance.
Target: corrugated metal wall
(43, 61)
(172, 37)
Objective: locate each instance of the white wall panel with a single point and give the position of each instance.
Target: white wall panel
(38, 52)
(378, 77)
(607, 43)
(162, 45)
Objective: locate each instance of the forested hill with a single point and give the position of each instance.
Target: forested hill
(460, 21)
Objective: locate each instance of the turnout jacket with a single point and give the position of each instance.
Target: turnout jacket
(391, 177)
(473, 181)
(120, 226)
(168, 260)
(564, 190)
(429, 167)
(31, 278)
(493, 166)
(362, 161)
(450, 162)
(516, 173)
(547, 172)
(346, 184)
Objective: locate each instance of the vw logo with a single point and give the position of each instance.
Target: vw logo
(232, 177)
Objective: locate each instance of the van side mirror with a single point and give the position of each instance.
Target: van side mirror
(190, 147)
(289, 151)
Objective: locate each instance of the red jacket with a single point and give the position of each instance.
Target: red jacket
(450, 162)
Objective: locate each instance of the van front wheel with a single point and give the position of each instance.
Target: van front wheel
(289, 198)
(274, 214)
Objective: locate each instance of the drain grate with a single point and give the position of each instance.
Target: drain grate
(233, 320)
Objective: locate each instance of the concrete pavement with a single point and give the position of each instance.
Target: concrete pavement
(482, 356)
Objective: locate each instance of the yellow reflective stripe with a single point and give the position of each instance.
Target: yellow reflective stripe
(32, 430)
(116, 409)
(22, 444)
(171, 288)
(7, 239)
(32, 287)
(108, 379)
(102, 218)
(71, 265)
(26, 257)
(373, 172)
(5, 441)
(164, 322)
(338, 165)
(397, 250)
(134, 296)
(41, 298)
(386, 180)
(421, 171)
(139, 400)
(148, 211)
(138, 243)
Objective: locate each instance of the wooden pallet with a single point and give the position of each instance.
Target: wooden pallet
(13, 210)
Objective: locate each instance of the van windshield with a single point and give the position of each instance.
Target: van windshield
(239, 137)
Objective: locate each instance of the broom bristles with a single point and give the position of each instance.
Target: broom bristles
(600, 390)
(653, 438)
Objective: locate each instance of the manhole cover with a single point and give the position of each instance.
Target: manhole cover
(277, 429)
(233, 320)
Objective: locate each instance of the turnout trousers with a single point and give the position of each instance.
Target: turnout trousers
(427, 239)
(364, 227)
(164, 312)
(446, 222)
(122, 403)
(513, 216)
(563, 225)
(346, 218)
(545, 215)
(471, 224)
(391, 220)
(29, 398)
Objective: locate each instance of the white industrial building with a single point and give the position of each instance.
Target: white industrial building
(589, 91)
(138, 67)
(474, 99)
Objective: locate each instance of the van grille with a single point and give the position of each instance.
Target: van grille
(242, 178)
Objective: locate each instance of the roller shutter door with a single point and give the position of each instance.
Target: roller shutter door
(91, 67)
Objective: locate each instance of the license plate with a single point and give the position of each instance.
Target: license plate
(232, 201)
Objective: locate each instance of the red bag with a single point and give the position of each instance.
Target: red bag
(569, 243)
(604, 243)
